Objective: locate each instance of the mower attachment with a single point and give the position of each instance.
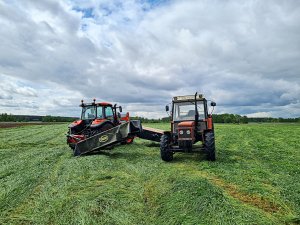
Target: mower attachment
(151, 134)
(109, 137)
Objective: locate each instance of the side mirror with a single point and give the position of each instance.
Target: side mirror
(120, 108)
(213, 104)
(119, 115)
(167, 108)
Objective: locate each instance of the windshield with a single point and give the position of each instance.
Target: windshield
(89, 112)
(186, 111)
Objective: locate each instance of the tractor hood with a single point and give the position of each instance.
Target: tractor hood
(75, 123)
(186, 124)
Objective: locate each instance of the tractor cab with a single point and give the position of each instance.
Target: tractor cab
(99, 112)
(190, 112)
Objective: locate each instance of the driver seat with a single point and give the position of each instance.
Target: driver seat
(191, 113)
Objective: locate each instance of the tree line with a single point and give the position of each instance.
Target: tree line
(4, 117)
(229, 118)
(218, 118)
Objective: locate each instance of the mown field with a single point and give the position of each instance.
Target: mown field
(255, 180)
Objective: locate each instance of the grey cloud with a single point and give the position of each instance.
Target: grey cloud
(8, 88)
(244, 55)
(18, 104)
(5, 96)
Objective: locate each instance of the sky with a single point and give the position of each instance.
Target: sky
(244, 55)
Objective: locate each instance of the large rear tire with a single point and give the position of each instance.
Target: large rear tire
(165, 153)
(209, 146)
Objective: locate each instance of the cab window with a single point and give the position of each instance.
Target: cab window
(186, 111)
(88, 112)
(99, 112)
(109, 112)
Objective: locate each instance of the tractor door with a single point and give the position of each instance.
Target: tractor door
(202, 112)
(109, 113)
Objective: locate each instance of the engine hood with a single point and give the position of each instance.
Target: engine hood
(186, 124)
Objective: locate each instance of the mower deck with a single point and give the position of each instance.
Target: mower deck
(151, 134)
(107, 138)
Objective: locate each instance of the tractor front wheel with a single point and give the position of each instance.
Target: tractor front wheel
(165, 152)
(209, 146)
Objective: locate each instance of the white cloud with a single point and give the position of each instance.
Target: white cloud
(18, 96)
(260, 114)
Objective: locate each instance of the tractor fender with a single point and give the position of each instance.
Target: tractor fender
(210, 125)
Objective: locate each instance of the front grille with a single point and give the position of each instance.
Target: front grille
(185, 134)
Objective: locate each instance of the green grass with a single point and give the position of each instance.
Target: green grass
(255, 180)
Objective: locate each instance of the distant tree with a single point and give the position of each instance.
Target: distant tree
(4, 117)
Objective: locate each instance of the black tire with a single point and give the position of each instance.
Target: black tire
(76, 152)
(209, 146)
(165, 153)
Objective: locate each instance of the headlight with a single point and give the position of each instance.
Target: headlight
(181, 132)
(188, 132)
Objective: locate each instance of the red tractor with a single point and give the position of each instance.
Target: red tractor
(190, 123)
(95, 118)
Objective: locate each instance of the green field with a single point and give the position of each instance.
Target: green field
(255, 180)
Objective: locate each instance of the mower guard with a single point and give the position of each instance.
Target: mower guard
(109, 137)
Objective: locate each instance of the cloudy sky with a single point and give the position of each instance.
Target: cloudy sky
(245, 55)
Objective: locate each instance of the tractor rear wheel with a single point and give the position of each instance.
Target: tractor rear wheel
(165, 152)
(209, 145)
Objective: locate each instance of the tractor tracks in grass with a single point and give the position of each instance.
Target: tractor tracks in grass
(269, 207)
(253, 200)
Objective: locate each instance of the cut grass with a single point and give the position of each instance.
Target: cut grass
(255, 180)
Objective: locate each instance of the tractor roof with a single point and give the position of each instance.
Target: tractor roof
(187, 98)
(97, 104)
(104, 104)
